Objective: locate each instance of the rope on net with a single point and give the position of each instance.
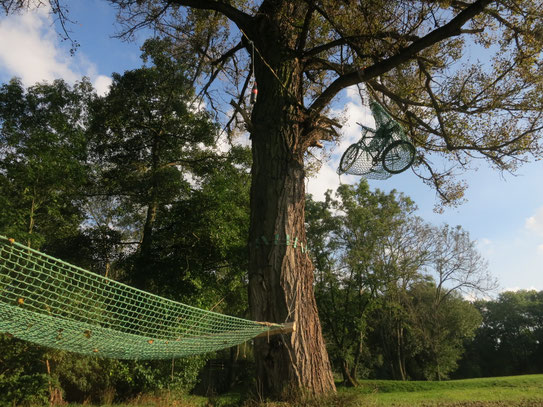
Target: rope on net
(380, 153)
(55, 304)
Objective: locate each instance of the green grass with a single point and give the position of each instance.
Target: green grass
(512, 391)
(521, 391)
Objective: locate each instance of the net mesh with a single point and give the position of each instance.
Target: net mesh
(360, 159)
(379, 153)
(52, 303)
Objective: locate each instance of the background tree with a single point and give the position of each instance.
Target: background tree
(411, 55)
(456, 265)
(202, 238)
(439, 332)
(389, 298)
(426, 320)
(43, 154)
(355, 242)
(43, 172)
(147, 137)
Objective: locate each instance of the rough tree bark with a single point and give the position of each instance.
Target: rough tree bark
(280, 272)
(281, 276)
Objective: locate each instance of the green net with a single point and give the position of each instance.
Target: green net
(52, 303)
(379, 153)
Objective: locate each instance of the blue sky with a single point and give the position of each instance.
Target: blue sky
(503, 213)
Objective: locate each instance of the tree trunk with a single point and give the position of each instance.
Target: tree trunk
(280, 270)
(152, 206)
(143, 273)
(32, 219)
(348, 379)
(400, 352)
(147, 236)
(281, 274)
(356, 358)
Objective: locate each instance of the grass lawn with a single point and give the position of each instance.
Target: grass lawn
(512, 391)
(521, 391)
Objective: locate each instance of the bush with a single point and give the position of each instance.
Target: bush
(97, 380)
(23, 378)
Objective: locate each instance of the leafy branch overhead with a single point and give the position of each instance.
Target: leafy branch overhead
(413, 56)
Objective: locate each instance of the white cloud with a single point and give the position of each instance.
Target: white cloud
(326, 179)
(535, 222)
(31, 50)
(515, 289)
(535, 225)
(102, 84)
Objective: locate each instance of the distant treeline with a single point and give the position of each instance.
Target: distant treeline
(510, 338)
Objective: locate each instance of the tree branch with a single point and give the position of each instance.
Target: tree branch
(393, 96)
(219, 61)
(433, 99)
(238, 17)
(318, 63)
(451, 29)
(302, 38)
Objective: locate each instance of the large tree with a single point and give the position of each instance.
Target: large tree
(147, 139)
(412, 57)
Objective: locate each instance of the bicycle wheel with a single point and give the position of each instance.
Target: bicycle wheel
(398, 156)
(348, 158)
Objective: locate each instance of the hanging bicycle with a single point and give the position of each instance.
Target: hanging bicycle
(380, 153)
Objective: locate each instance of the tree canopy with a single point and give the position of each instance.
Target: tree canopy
(43, 153)
(389, 285)
(462, 77)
